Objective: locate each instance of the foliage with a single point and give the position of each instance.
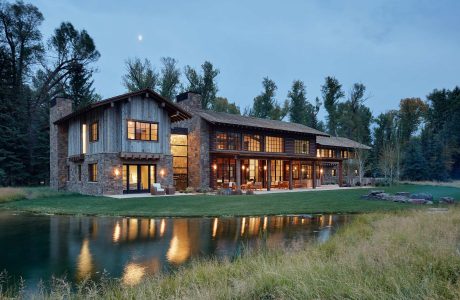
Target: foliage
(170, 78)
(265, 105)
(414, 164)
(300, 110)
(31, 75)
(332, 93)
(222, 104)
(205, 84)
(140, 75)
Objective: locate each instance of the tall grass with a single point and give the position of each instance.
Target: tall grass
(404, 255)
(11, 194)
(8, 194)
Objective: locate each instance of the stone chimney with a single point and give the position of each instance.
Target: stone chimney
(189, 101)
(60, 107)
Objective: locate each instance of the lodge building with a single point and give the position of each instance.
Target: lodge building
(126, 143)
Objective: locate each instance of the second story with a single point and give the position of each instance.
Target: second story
(138, 122)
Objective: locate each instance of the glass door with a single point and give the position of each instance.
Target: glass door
(138, 178)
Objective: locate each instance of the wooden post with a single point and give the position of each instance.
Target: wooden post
(340, 174)
(238, 173)
(269, 174)
(291, 186)
(314, 174)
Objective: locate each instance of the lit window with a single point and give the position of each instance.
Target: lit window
(302, 146)
(92, 172)
(274, 144)
(83, 138)
(142, 131)
(94, 132)
(251, 142)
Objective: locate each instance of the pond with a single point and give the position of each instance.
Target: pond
(37, 247)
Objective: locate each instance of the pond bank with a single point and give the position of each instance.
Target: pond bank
(394, 255)
(316, 202)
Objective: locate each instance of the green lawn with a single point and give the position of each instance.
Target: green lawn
(336, 201)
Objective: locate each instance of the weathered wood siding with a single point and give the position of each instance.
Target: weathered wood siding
(112, 122)
(141, 109)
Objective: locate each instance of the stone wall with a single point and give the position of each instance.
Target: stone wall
(108, 183)
(198, 142)
(165, 163)
(60, 107)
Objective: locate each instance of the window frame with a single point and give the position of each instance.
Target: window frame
(299, 144)
(281, 144)
(252, 141)
(92, 172)
(149, 130)
(91, 132)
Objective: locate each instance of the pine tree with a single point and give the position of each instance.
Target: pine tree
(414, 163)
(332, 92)
(265, 105)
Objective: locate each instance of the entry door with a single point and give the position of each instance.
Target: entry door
(138, 178)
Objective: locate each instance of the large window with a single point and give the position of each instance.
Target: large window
(324, 153)
(92, 172)
(227, 140)
(251, 142)
(344, 154)
(83, 138)
(142, 131)
(179, 152)
(274, 144)
(302, 146)
(94, 132)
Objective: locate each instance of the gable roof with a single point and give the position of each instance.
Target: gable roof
(175, 112)
(336, 141)
(231, 119)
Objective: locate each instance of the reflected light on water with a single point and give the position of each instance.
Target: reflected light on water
(84, 262)
(133, 273)
(179, 247)
(254, 224)
(162, 227)
(214, 227)
(116, 233)
(243, 225)
(132, 233)
(265, 223)
(330, 220)
(152, 228)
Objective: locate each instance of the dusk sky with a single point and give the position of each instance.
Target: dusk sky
(397, 49)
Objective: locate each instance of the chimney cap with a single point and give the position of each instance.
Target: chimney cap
(184, 96)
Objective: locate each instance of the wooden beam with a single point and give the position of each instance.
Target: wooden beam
(340, 174)
(269, 174)
(238, 173)
(291, 186)
(314, 174)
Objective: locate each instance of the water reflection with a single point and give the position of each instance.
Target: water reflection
(131, 248)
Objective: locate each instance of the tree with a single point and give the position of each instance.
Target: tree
(140, 75)
(411, 112)
(265, 106)
(80, 88)
(298, 103)
(222, 104)
(414, 163)
(204, 84)
(170, 75)
(355, 118)
(332, 92)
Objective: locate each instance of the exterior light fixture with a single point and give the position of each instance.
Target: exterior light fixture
(162, 172)
(321, 171)
(116, 172)
(214, 166)
(242, 167)
(265, 168)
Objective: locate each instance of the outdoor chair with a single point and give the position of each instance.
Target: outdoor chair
(157, 189)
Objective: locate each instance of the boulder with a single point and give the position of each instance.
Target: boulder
(420, 201)
(424, 196)
(404, 194)
(400, 199)
(376, 192)
(446, 200)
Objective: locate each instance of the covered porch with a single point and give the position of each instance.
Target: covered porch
(268, 173)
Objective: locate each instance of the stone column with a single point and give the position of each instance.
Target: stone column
(238, 173)
(340, 170)
(314, 174)
(269, 174)
(291, 185)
